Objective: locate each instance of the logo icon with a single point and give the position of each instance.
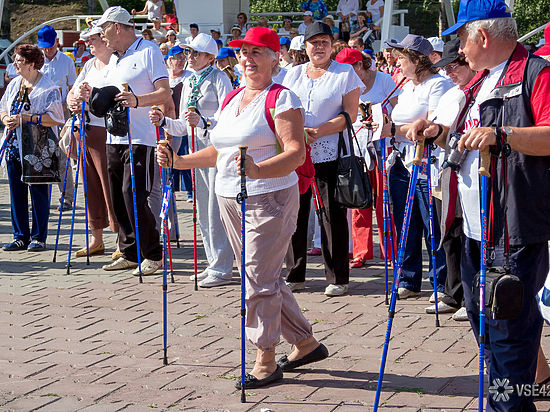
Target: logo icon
(501, 390)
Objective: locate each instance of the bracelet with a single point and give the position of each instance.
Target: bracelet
(204, 122)
(440, 130)
(137, 101)
(2, 119)
(392, 129)
(163, 123)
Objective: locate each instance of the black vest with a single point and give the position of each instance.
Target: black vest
(528, 177)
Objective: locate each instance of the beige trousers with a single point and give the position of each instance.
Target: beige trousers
(271, 309)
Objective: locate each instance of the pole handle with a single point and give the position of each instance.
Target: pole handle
(125, 86)
(164, 143)
(484, 162)
(191, 109)
(242, 195)
(418, 152)
(157, 124)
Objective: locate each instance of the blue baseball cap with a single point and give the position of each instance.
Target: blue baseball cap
(46, 37)
(472, 10)
(174, 50)
(285, 41)
(225, 52)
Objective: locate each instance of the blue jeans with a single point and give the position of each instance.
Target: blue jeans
(419, 226)
(20, 203)
(182, 178)
(511, 346)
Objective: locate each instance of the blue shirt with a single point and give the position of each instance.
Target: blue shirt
(318, 8)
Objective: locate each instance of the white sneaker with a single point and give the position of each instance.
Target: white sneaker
(120, 264)
(294, 286)
(405, 293)
(148, 267)
(336, 290)
(200, 276)
(439, 296)
(212, 281)
(442, 307)
(460, 315)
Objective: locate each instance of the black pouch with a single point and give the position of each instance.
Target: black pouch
(353, 189)
(503, 294)
(116, 120)
(41, 152)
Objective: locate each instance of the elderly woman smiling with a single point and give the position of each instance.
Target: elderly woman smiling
(272, 204)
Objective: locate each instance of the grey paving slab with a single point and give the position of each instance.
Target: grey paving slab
(92, 340)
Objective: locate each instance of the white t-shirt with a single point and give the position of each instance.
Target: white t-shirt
(249, 128)
(415, 102)
(154, 10)
(95, 78)
(12, 71)
(322, 101)
(374, 9)
(348, 7)
(468, 175)
(61, 71)
(302, 28)
(141, 66)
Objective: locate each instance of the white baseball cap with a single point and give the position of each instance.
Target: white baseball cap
(116, 14)
(437, 44)
(94, 30)
(308, 13)
(203, 43)
(297, 43)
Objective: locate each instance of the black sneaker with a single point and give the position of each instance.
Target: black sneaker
(36, 246)
(17, 244)
(66, 207)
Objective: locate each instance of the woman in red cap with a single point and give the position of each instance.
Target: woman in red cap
(544, 51)
(271, 206)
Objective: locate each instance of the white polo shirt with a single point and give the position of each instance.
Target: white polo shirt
(61, 71)
(140, 66)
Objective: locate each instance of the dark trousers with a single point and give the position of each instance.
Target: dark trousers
(19, 193)
(118, 167)
(334, 231)
(452, 245)
(511, 346)
(182, 178)
(411, 269)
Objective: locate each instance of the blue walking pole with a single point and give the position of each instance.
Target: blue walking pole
(388, 229)
(176, 224)
(417, 163)
(84, 180)
(432, 237)
(241, 199)
(80, 138)
(133, 179)
(67, 165)
(166, 197)
(485, 161)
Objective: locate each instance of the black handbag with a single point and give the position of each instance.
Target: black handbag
(503, 293)
(353, 188)
(116, 120)
(41, 152)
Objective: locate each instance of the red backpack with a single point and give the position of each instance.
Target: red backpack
(305, 172)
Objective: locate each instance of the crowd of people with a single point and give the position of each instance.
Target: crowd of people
(284, 97)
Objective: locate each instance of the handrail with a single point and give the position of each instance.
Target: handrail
(532, 33)
(52, 21)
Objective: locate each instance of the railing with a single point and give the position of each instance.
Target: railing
(532, 33)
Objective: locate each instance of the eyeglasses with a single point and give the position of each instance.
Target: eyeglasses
(104, 28)
(451, 67)
(178, 56)
(190, 52)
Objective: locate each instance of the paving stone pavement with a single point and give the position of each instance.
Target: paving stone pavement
(92, 340)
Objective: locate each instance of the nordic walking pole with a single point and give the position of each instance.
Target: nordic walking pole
(485, 161)
(175, 214)
(164, 214)
(164, 225)
(133, 179)
(194, 189)
(386, 217)
(64, 187)
(79, 153)
(432, 235)
(417, 163)
(84, 181)
(241, 199)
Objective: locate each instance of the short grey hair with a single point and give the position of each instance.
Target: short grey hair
(503, 29)
(273, 55)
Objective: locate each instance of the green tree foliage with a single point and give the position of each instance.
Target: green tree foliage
(271, 6)
(531, 14)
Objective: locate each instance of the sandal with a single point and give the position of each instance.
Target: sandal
(357, 263)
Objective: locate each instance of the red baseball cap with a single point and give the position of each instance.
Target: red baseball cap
(349, 56)
(259, 36)
(545, 50)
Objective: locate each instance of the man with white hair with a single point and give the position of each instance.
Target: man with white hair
(139, 64)
(506, 109)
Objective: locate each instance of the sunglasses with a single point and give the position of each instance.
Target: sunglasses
(451, 67)
(190, 52)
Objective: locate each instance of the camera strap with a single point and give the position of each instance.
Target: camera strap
(491, 223)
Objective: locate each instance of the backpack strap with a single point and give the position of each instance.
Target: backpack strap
(270, 102)
(229, 96)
